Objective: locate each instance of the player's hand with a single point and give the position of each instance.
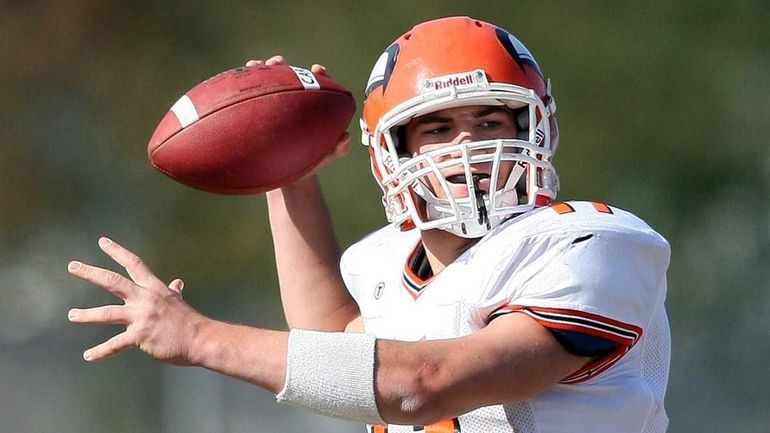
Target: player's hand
(157, 320)
(343, 144)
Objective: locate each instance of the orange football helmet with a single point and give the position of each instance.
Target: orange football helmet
(446, 63)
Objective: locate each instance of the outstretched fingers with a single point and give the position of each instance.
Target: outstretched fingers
(110, 347)
(154, 313)
(137, 270)
(115, 283)
(107, 314)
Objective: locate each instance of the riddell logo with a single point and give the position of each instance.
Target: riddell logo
(463, 79)
(454, 81)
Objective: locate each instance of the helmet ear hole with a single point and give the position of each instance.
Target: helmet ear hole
(522, 191)
(521, 116)
(400, 138)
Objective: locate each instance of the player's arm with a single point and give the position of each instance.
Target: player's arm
(413, 383)
(307, 259)
(306, 250)
(511, 359)
(419, 383)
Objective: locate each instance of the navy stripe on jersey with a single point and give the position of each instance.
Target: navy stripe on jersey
(410, 284)
(592, 324)
(580, 344)
(624, 334)
(417, 271)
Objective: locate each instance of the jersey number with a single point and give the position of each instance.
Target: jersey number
(443, 426)
(562, 208)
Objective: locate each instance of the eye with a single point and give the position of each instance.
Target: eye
(436, 130)
(490, 124)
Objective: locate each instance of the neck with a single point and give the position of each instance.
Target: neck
(443, 248)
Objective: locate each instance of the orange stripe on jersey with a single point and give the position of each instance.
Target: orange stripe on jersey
(562, 208)
(591, 316)
(616, 331)
(411, 291)
(408, 269)
(601, 207)
(416, 278)
(444, 426)
(379, 429)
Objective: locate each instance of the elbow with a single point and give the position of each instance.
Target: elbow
(422, 397)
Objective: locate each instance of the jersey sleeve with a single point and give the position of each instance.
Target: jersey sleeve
(598, 282)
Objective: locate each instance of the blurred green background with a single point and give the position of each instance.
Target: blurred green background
(664, 108)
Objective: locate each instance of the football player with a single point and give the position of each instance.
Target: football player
(483, 307)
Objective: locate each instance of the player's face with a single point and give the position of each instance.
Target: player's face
(460, 125)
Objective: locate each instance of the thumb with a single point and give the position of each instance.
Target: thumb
(343, 145)
(177, 285)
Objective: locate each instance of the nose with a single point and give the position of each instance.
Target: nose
(463, 137)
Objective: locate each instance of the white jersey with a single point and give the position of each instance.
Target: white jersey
(576, 266)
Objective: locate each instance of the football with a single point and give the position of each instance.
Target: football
(251, 129)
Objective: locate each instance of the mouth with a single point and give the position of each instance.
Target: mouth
(459, 179)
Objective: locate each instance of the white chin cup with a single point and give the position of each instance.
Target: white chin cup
(467, 227)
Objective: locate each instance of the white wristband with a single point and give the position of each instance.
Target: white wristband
(331, 373)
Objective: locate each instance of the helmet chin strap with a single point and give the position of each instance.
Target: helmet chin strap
(480, 206)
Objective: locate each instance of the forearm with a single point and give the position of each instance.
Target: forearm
(307, 259)
(253, 355)
(412, 382)
(512, 359)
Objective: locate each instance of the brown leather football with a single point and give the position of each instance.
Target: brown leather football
(251, 129)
